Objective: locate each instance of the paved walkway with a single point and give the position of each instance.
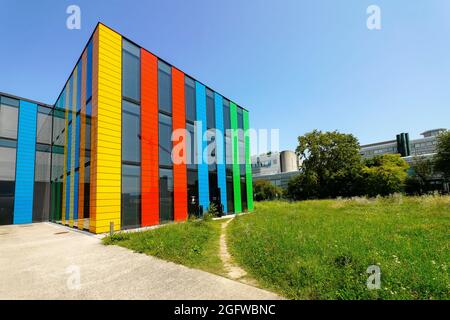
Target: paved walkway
(42, 261)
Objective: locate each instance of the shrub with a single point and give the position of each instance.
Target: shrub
(303, 186)
(385, 175)
(265, 190)
(213, 212)
(442, 163)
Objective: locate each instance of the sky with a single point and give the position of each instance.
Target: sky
(296, 65)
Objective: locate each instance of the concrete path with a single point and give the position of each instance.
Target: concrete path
(43, 261)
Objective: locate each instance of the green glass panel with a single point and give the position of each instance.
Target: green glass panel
(248, 165)
(235, 151)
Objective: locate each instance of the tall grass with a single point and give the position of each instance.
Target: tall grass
(194, 244)
(321, 249)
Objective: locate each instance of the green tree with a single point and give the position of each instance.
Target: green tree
(421, 173)
(265, 190)
(303, 186)
(442, 159)
(331, 165)
(385, 174)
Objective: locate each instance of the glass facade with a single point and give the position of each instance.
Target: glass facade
(165, 142)
(166, 195)
(42, 186)
(131, 196)
(7, 183)
(166, 186)
(164, 87)
(214, 191)
(189, 90)
(191, 145)
(103, 152)
(131, 137)
(228, 154)
(131, 74)
(8, 121)
(241, 147)
(131, 128)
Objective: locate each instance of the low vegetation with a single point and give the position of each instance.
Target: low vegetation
(321, 249)
(194, 244)
(265, 190)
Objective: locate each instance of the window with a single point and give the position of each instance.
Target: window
(87, 193)
(89, 71)
(244, 193)
(89, 108)
(164, 87)
(214, 192)
(87, 142)
(7, 184)
(9, 101)
(230, 193)
(191, 149)
(59, 127)
(8, 121)
(226, 115)
(192, 186)
(57, 162)
(189, 92)
(56, 185)
(210, 112)
(165, 195)
(165, 140)
(240, 118)
(44, 126)
(41, 207)
(8, 143)
(242, 154)
(227, 133)
(228, 155)
(7, 164)
(212, 148)
(131, 71)
(131, 130)
(131, 196)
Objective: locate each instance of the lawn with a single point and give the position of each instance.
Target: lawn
(194, 244)
(321, 249)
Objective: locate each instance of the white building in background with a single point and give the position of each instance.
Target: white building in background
(280, 167)
(425, 146)
(276, 167)
(410, 150)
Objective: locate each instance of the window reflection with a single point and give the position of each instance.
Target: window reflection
(8, 121)
(131, 196)
(165, 142)
(164, 87)
(166, 195)
(7, 184)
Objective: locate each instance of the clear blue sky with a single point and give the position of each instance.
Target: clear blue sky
(296, 65)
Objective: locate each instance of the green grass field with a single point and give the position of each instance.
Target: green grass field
(194, 244)
(321, 249)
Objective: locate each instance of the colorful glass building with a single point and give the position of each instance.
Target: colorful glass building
(102, 153)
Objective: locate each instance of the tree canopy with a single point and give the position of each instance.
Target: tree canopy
(442, 159)
(385, 174)
(331, 163)
(333, 166)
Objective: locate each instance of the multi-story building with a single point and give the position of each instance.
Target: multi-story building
(411, 151)
(123, 145)
(402, 145)
(276, 167)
